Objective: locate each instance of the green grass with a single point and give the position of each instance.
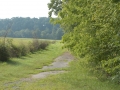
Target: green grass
(77, 77)
(18, 68)
(18, 41)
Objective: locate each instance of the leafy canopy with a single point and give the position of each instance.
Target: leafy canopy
(92, 29)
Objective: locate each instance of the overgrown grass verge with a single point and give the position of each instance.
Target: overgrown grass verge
(25, 66)
(8, 49)
(78, 78)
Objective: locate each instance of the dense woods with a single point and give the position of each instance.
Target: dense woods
(92, 30)
(20, 27)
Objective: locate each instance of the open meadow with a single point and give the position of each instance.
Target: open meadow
(77, 76)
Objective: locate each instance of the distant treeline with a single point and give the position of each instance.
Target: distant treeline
(20, 27)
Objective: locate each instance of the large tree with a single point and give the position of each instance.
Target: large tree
(92, 29)
(55, 6)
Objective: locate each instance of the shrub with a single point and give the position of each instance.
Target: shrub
(43, 44)
(4, 54)
(24, 49)
(37, 45)
(8, 49)
(112, 69)
(15, 51)
(31, 48)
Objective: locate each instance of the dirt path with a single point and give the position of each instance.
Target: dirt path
(60, 62)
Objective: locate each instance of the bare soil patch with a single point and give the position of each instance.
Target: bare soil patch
(60, 62)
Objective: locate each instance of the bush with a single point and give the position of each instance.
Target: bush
(24, 49)
(15, 51)
(112, 69)
(4, 54)
(10, 50)
(37, 45)
(43, 45)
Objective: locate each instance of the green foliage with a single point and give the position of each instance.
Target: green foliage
(9, 49)
(30, 28)
(19, 68)
(43, 45)
(24, 49)
(115, 1)
(77, 78)
(15, 51)
(36, 45)
(92, 29)
(112, 68)
(4, 54)
(54, 7)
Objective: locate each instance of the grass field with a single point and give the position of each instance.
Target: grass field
(23, 40)
(18, 68)
(78, 77)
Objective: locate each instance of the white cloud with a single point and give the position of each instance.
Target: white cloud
(23, 8)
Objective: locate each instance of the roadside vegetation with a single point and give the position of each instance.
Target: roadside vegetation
(92, 35)
(25, 66)
(78, 76)
(92, 30)
(10, 48)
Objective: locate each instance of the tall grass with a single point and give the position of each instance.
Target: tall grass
(8, 49)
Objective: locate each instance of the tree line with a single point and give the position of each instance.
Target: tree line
(19, 27)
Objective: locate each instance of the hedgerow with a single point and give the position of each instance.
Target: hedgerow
(9, 50)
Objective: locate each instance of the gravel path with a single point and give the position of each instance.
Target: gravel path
(60, 62)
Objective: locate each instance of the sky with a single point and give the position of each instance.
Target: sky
(23, 8)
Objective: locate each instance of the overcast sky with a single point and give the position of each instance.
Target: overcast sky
(23, 8)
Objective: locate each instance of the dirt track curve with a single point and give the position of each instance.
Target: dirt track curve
(60, 62)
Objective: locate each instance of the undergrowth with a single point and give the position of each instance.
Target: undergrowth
(9, 50)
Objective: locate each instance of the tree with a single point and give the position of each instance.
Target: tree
(29, 27)
(92, 29)
(55, 6)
